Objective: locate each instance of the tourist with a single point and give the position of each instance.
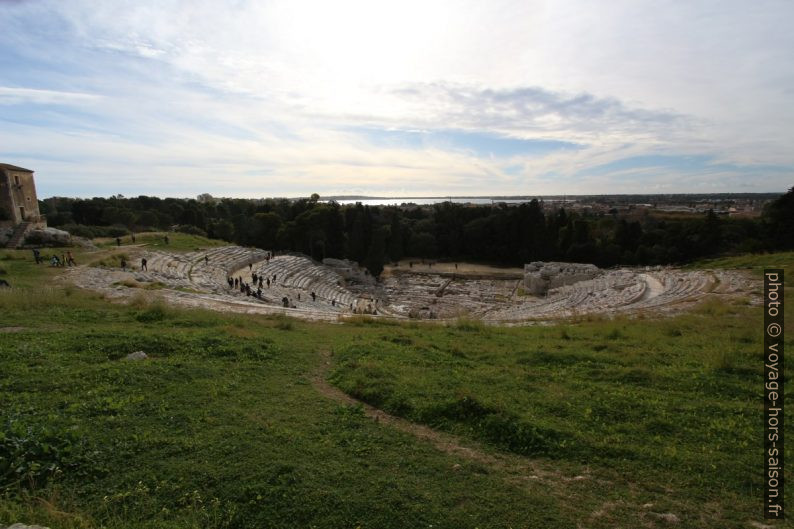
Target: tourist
(274, 278)
(230, 282)
(259, 292)
(253, 277)
(123, 264)
(299, 296)
(70, 259)
(37, 255)
(250, 266)
(143, 264)
(206, 259)
(285, 302)
(314, 296)
(260, 282)
(268, 282)
(235, 282)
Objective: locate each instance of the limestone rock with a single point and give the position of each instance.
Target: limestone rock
(48, 237)
(5, 235)
(667, 517)
(137, 355)
(23, 526)
(540, 277)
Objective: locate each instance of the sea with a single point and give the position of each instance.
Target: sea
(431, 200)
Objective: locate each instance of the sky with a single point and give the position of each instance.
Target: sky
(244, 98)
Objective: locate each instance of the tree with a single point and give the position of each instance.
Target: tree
(266, 230)
(779, 222)
(376, 254)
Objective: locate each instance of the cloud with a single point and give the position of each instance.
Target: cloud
(11, 96)
(530, 112)
(291, 97)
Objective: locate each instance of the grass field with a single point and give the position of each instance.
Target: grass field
(177, 242)
(602, 423)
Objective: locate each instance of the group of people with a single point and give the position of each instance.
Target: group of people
(259, 282)
(64, 260)
(246, 288)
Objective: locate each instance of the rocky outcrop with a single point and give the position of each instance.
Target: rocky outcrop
(540, 277)
(350, 270)
(48, 237)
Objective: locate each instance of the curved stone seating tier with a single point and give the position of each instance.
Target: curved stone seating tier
(615, 291)
(426, 295)
(300, 275)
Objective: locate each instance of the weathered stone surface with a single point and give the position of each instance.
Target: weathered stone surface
(540, 277)
(5, 235)
(48, 237)
(350, 270)
(23, 526)
(667, 517)
(137, 355)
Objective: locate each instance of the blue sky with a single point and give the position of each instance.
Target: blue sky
(286, 98)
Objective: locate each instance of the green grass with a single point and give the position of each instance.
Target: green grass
(754, 262)
(222, 426)
(177, 242)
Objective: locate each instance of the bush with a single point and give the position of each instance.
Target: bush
(29, 457)
(90, 232)
(156, 312)
(189, 229)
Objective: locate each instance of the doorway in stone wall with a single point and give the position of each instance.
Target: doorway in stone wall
(21, 213)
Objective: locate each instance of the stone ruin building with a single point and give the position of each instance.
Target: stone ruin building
(19, 205)
(540, 277)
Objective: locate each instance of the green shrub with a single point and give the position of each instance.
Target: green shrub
(30, 456)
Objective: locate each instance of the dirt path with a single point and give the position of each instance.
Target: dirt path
(517, 469)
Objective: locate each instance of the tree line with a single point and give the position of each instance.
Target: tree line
(373, 235)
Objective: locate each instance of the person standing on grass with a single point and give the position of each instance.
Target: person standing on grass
(70, 259)
(143, 264)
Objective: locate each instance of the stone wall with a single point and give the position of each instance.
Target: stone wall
(18, 190)
(540, 277)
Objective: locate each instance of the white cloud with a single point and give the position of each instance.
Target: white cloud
(208, 93)
(10, 95)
